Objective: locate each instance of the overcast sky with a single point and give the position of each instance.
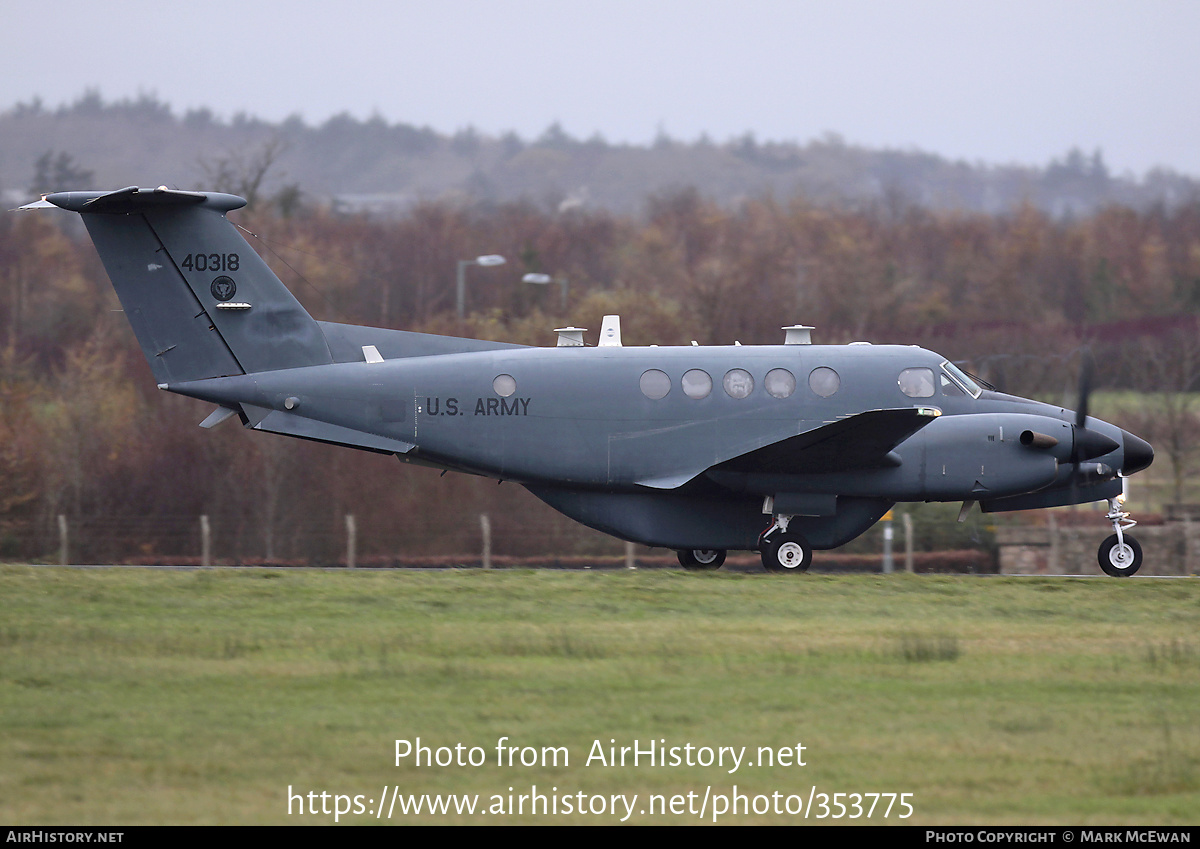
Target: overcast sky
(1015, 81)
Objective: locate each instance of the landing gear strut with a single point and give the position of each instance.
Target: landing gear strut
(1120, 556)
(783, 550)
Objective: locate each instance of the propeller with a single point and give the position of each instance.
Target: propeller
(1085, 443)
(1087, 368)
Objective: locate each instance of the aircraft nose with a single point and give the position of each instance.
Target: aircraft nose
(1138, 453)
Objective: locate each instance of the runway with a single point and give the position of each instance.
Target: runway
(736, 569)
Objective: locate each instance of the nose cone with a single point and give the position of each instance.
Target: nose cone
(1138, 453)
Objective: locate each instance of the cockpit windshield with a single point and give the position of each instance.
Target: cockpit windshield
(961, 379)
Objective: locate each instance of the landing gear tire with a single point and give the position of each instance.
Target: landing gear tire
(786, 552)
(701, 558)
(1118, 560)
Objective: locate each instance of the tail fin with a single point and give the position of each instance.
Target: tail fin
(201, 302)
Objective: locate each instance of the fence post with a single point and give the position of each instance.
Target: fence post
(908, 543)
(485, 527)
(351, 541)
(205, 542)
(1187, 543)
(62, 540)
(1052, 527)
(889, 564)
(629, 563)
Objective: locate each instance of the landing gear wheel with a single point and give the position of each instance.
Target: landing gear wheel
(786, 552)
(701, 558)
(1118, 560)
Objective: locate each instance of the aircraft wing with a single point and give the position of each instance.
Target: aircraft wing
(861, 441)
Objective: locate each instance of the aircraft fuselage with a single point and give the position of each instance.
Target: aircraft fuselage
(570, 421)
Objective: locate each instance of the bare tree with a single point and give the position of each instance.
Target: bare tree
(244, 172)
(59, 172)
(1167, 370)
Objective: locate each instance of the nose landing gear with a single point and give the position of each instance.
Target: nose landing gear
(1120, 556)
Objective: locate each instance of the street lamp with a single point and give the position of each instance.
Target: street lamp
(486, 259)
(545, 279)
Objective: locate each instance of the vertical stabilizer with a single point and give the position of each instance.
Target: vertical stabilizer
(201, 301)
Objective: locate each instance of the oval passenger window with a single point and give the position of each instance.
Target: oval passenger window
(824, 381)
(916, 382)
(780, 383)
(504, 385)
(696, 383)
(655, 384)
(738, 383)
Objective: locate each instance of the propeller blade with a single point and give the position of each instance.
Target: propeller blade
(1080, 434)
(1086, 368)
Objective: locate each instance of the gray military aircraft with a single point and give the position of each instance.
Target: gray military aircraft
(777, 448)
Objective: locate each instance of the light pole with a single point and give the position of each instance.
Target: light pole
(486, 259)
(545, 279)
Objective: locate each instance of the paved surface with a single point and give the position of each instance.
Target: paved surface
(599, 568)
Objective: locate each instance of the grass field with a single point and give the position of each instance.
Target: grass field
(132, 696)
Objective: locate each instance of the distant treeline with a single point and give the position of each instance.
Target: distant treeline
(375, 165)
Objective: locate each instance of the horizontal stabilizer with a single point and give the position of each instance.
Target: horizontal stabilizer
(288, 424)
(133, 199)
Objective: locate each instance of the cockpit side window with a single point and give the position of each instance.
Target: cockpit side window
(961, 378)
(949, 388)
(917, 382)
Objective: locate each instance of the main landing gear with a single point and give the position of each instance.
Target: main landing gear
(783, 550)
(701, 558)
(1119, 555)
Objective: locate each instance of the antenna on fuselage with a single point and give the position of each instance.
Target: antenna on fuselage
(610, 332)
(570, 337)
(797, 334)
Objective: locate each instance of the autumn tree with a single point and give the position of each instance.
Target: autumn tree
(1165, 369)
